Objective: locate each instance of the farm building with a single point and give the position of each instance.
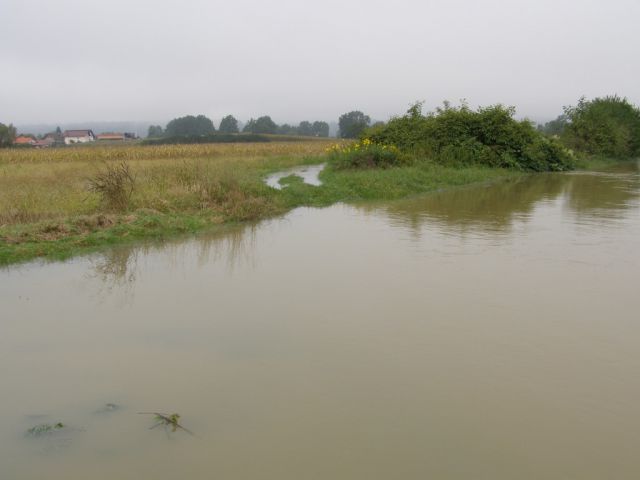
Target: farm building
(111, 136)
(23, 140)
(78, 136)
(45, 142)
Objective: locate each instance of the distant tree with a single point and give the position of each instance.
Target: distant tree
(554, 127)
(155, 131)
(249, 126)
(7, 135)
(189, 125)
(320, 129)
(261, 125)
(305, 128)
(604, 126)
(229, 124)
(286, 129)
(352, 124)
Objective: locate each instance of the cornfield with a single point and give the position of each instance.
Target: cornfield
(99, 153)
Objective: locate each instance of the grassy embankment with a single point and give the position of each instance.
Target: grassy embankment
(47, 208)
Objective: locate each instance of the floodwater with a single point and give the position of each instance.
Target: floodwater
(481, 333)
(309, 174)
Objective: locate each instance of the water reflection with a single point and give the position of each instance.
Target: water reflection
(487, 210)
(496, 208)
(120, 268)
(603, 195)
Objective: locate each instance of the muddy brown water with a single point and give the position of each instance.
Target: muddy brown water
(480, 333)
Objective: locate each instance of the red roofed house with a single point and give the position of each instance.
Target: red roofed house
(22, 140)
(111, 136)
(78, 136)
(45, 142)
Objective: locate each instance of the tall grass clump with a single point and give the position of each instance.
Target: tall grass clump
(459, 136)
(115, 185)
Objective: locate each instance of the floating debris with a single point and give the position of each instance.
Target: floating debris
(109, 408)
(45, 429)
(169, 421)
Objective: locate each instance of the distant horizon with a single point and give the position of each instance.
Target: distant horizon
(40, 126)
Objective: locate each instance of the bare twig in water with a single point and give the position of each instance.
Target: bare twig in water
(167, 420)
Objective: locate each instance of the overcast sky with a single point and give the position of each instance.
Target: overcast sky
(74, 60)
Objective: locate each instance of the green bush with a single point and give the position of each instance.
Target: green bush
(608, 126)
(460, 136)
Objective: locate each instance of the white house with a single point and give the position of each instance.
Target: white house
(78, 136)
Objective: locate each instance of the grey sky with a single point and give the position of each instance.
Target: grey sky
(71, 60)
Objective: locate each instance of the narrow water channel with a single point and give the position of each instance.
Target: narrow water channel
(480, 333)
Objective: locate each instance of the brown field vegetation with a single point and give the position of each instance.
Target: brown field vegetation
(52, 184)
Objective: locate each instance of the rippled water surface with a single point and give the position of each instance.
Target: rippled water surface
(480, 333)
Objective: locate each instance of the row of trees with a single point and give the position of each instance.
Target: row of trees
(351, 125)
(201, 125)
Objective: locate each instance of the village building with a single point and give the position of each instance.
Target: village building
(111, 137)
(46, 142)
(78, 136)
(24, 140)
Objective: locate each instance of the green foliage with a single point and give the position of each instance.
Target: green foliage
(169, 421)
(229, 124)
(366, 154)
(352, 124)
(261, 125)
(608, 126)
(460, 136)
(155, 131)
(189, 125)
(7, 135)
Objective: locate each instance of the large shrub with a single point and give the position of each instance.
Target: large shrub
(608, 126)
(461, 136)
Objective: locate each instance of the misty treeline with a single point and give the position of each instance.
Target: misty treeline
(491, 136)
(200, 125)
